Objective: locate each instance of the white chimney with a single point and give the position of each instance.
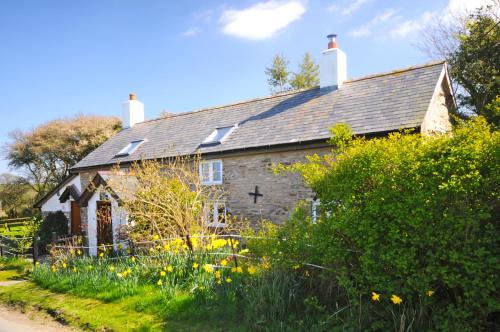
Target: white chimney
(333, 65)
(132, 111)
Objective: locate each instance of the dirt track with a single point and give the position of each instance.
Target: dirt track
(14, 321)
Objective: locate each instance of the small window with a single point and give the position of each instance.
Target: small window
(315, 210)
(211, 172)
(129, 149)
(217, 214)
(219, 135)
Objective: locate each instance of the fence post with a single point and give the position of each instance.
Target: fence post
(1, 249)
(35, 249)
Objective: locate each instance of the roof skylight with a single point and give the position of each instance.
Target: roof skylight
(219, 135)
(130, 148)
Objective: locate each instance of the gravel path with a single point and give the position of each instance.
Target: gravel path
(14, 321)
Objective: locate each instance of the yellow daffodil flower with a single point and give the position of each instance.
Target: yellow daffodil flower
(251, 270)
(132, 259)
(218, 274)
(296, 266)
(156, 237)
(163, 273)
(223, 262)
(396, 299)
(375, 296)
(159, 283)
(430, 293)
(208, 268)
(195, 265)
(170, 268)
(229, 280)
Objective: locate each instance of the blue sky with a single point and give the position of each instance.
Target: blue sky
(61, 58)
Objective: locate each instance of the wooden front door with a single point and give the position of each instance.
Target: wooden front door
(76, 223)
(104, 223)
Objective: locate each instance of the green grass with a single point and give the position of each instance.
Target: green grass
(13, 268)
(141, 312)
(17, 230)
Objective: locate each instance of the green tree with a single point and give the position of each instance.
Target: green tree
(470, 45)
(475, 65)
(278, 74)
(16, 195)
(308, 76)
(47, 152)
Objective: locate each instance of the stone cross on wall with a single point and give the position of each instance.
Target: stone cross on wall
(255, 194)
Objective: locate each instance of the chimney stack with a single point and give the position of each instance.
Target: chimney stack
(333, 65)
(132, 111)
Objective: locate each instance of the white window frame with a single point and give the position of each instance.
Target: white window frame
(129, 149)
(211, 171)
(213, 214)
(315, 203)
(211, 138)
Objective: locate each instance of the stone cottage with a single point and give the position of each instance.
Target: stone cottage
(239, 142)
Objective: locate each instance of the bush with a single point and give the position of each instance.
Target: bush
(411, 216)
(53, 222)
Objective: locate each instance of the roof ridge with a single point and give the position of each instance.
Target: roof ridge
(241, 102)
(396, 71)
(247, 101)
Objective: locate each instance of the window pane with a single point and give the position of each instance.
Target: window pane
(221, 213)
(217, 171)
(205, 172)
(221, 132)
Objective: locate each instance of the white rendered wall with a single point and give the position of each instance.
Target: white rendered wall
(333, 68)
(53, 204)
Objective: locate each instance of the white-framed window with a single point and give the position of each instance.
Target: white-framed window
(211, 172)
(219, 135)
(216, 214)
(130, 148)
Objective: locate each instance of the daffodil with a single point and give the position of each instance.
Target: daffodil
(156, 237)
(244, 251)
(375, 296)
(170, 268)
(132, 259)
(119, 275)
(251, 270)
(208, 268)
(78, 252)
(396, 299)
(64, 265)
(111, 268)
(296, 266)
(195, 265)
(223, 262)
(159, 283)
(101, 254)
(218, 275)
(229, 280)
(163, 273)
(237, 269)
(74, 269)
(430, 293)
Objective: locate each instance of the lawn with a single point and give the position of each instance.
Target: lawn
(16, 229)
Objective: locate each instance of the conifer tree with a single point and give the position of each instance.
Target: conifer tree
(308, 76)
(278, 74)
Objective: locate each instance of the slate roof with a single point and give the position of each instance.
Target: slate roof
(372, 104)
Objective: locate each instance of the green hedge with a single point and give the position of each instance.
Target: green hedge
(406, 215)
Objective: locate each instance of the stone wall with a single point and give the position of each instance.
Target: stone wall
(280, 193)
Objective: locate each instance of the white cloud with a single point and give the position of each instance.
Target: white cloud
(348, 9)
(191, 32)
(375, 23)
(261, 21)
(408, 27)
(453, 9)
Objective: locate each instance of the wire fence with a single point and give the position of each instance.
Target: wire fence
(128, 249)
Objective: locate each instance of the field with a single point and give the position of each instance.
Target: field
(12, 227)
